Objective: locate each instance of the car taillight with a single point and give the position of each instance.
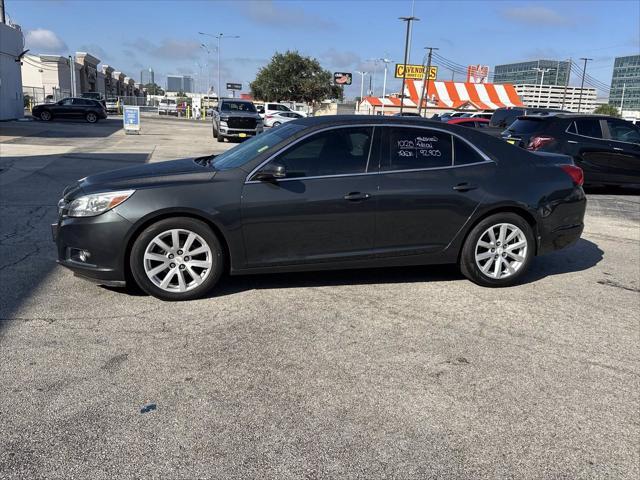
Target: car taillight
(538, 142)
(269, 116)
(576, 174)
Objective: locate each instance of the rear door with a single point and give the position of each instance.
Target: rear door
(323, 210)
(591, 151)
(430, 184)
(625, 142)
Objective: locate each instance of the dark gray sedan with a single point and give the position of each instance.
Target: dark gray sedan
(324, 193)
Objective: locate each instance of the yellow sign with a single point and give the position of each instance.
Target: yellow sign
(415, 72)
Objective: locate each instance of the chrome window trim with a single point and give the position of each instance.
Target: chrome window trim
(373, 125)
(606, 125)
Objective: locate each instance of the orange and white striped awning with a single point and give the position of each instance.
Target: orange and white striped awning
(483, 96)
(390, 102)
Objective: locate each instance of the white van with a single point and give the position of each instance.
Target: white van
(272, 108)
(167, 106)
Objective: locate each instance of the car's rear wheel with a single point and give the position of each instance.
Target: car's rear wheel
(45, 115)
(498, 251)
(91, 117)
(177, 259)
(275, 124)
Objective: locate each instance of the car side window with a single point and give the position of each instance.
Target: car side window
(67, 101)
(463, 154)
(623, 132)
(417, 148)
(589, 127)
(338, 151)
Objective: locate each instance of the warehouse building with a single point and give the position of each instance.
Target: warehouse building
(12, 45)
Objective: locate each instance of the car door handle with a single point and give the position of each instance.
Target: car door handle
(357, 196)
(618, 149)
(464, 187)
(572, 142)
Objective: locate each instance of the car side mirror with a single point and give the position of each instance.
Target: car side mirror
(271, 172)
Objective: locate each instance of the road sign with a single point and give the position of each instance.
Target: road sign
(416, 72)
(131, 119)
(342, 78)
(234, 86)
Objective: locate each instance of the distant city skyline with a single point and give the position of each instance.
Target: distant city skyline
(343, 36)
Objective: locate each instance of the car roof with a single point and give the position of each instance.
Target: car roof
(567, 116)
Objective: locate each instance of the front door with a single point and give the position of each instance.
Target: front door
(625, 143)
(322, 210)
(425, 196)
(64, 108)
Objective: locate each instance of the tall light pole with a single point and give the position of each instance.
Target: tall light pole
(425, 83)
(542, 71)
(406, 52)
(219, 37)
(386, 62)
(362, 74)
(208, 65)
(584, 71)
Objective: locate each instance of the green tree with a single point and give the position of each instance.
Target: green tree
(153, 89)
(291, 77)
(607, 109)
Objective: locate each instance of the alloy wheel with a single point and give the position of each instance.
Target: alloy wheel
(91, 117)
(45, 116)
(501, 250)
(177, 260)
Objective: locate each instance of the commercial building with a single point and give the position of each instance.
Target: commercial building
(11, 99)
(180, 83)
(147, 76)
(51, 77)
(557, 72)
(559, 97)
(625, 83)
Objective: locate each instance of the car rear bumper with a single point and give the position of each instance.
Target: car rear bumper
(562, 222)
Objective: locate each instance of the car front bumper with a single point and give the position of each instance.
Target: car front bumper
(103, 237)
(240, 133)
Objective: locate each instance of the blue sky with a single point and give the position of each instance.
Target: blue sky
(342, 34)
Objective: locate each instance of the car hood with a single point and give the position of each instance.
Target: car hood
(188, 170)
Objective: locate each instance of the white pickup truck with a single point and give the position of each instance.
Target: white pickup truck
(167, 106)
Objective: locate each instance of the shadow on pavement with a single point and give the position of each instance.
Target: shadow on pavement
(30, 187)
(612, 190)
(27, 132)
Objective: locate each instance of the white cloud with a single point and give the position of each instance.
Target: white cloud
(42, 40)
(535, 15)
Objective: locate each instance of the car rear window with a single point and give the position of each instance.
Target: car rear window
(525, 126)
(503, 118)
(587, 127)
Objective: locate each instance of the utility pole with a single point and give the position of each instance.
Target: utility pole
(425, 82)
(543, 71)
(219, 37)
(386, 62)
(362, 74)
(4, 18)
(584, 71)
(566, 83)
(406, 52)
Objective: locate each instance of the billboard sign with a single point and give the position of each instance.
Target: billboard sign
(131, 119)
(234, 86)
(342, 78)
(415, 72)
(477, 73)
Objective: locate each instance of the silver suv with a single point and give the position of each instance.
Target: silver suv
(236, 119)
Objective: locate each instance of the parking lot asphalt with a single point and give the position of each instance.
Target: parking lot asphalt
(397, 373)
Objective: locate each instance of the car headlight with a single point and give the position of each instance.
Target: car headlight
(97, 203)
(223, 123)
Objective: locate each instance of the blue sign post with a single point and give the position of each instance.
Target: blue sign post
(131, 119)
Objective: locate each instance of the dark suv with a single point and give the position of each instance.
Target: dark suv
(90, 110)
(606, 148)
(503, 117)
(234, 118)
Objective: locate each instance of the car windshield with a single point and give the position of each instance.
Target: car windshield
(238, 107)
(248, 150)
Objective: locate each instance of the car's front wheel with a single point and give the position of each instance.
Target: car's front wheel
(177, 259)
(45, 115)
(220, 137)
(91, 117)
(498, 251)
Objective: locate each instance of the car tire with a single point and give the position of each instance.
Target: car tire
(486, 261)
(190, 278)
(91, 117)
(275, 124)
(46, 116)
(220, 138)
(215, 132)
